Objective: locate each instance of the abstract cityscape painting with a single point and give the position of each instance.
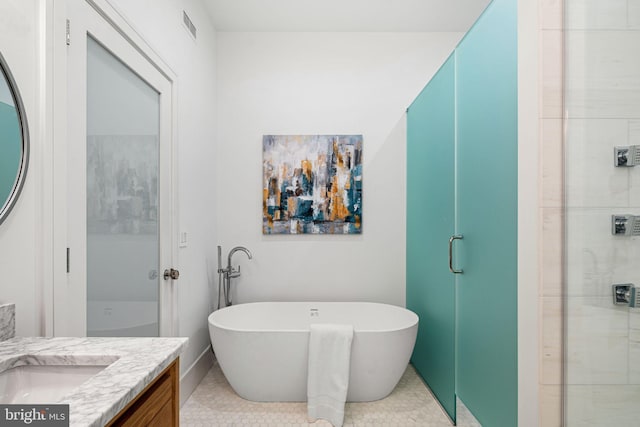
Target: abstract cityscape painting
(312, 184)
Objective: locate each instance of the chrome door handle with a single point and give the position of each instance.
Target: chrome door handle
(451, 269)
(171, 273)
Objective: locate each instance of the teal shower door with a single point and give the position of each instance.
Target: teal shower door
(486, 215)
(462, 179)
(430, 223)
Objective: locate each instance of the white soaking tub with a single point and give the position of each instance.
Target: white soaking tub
(262, 347)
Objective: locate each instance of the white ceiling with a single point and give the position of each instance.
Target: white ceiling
(344, 15)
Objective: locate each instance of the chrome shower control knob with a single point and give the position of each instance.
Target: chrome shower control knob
(628, 156)
(626, 294)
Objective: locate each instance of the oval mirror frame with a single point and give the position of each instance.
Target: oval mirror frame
(7, 205)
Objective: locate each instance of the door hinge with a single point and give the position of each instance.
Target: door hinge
(68, 262)
(68, 36)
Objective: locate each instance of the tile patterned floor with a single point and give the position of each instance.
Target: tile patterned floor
(214, 403)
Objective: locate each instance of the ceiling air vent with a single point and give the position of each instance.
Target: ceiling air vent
(188, 24)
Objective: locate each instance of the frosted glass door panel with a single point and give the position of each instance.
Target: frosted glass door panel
(486, 215)
(122, 199)
(430, 214)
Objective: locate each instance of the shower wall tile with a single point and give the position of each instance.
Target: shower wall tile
(634, 314)
(551, 162)
(634, 340)
(596, 14)
(551, 66)
(602, 405)
(551, 361)
(634, 347)
(596, 315)
(551, 69)
(595, 259)
(634, 173)
(634, 132)
(597, 341)
(591, 178)
(551, 268)
(633, 14)
(603, 81)
(550, 14)
(550, 406)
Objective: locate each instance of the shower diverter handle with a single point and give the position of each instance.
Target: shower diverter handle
(451, 269)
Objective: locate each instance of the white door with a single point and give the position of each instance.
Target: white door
(119, 180)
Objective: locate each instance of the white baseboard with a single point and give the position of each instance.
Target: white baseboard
(195, 374)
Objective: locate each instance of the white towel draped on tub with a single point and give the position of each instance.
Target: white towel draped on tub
(328, 377)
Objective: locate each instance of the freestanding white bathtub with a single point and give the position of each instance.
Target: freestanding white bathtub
(262, 347)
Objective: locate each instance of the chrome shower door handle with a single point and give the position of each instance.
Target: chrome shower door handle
(451, 269)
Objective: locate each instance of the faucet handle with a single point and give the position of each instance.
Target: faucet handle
(233, 272)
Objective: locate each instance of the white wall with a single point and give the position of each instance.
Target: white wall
(24, 253)
(19, 237)
(320, 83)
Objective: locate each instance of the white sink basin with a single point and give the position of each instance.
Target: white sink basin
(43, 383)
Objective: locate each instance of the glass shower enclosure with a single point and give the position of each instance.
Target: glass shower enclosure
(602, 200)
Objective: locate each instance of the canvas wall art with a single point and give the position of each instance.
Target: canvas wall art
(312, 184)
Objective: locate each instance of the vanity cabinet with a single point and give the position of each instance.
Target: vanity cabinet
(157, 405)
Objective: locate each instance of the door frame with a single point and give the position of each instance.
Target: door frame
(58, 116)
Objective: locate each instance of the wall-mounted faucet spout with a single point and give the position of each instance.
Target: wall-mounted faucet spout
(226, 274)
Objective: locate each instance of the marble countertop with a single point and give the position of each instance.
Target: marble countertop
(133, 364)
